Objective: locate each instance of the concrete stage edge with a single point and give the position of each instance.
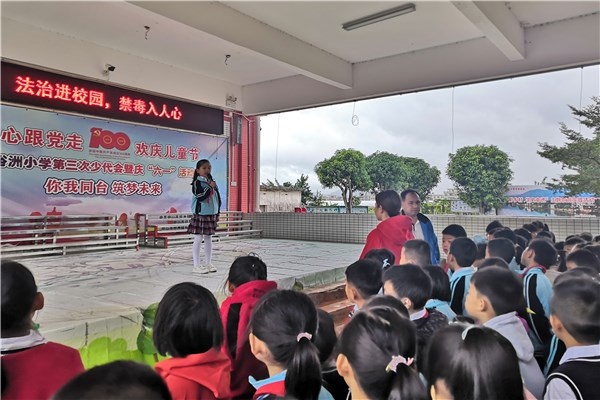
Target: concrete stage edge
(100, 296)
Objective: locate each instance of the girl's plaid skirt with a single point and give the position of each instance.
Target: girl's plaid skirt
(203, 224)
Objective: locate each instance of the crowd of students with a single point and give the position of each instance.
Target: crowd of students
(515, 315)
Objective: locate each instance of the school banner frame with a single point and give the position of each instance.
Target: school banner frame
(70, 164)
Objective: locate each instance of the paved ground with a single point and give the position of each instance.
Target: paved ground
(98, 294)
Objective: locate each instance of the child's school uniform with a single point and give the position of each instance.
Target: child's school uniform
(511, 327)
(235, 315)
(206, 204)
(441, 306)
(537, 291)
(197, 376)
(514, 266)
(459, 287)
(577, 375)
(275, 385)
(427, 322)
(36, 368)
(556, 350)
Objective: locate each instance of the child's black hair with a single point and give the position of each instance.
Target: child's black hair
(370, 341)
(325, 339)
(576, 303)
(440, 283)
(18, 294)
(418, 251)
(545, 253)
(410, 281)
(383, 256)
(503, 248)
(198, 165)
(524, 232)
(573, 240)
(464, 251)
(505, 233)
(389, 200)
(596, 239)
(586, 236)
(387, 301)
(546, 235)
(501, 286)
(530, 227)
(278, 318)
(187, 321)
(579, 272)
(493, 262)
(114, 381)
(539, 225)
(481, 248)
(455, 230)
(493, 225)
(478, 363)
(365, 276)
(245, 269)
(584, 258)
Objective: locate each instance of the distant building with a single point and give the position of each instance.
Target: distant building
(279, 199)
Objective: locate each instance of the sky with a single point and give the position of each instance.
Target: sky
(513, 114)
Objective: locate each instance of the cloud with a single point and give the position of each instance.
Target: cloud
(513, 114)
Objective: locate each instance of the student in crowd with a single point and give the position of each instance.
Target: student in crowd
(460, 261)
(393, 229)
(546, 235)
(282, 331)
(481, 250)
(247, 282)
(571, 242)
(377, 351)
(495, 224)
(583, 258)
(422, 226)
(385, 257)
(32, 367)
(494, 297)
(325, 341)
(206, 206)
(504, 232)
(188, 328)
(440, 291)
(575, 319)
(539, 255)
(505, 249)
(450, 233)
(388, 301)
(470, 362)
(593, 247)
(587, 236)
(363, 280)
(416, 251)
(493, 262)
(117, 380)
(525, 233)
(411, 285)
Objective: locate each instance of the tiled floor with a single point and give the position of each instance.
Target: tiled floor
(102, 291)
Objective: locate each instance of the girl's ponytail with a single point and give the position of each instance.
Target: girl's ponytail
(196, 174)
(406, 384)
(303, 377)
(286, 321)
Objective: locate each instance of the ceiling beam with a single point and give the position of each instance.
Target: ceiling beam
(231, 25)
(498, 24)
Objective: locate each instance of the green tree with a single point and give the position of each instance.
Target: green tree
(579, 154)
(302, 185)
(390, 171)
(417, 174)
(384, 169)
(347, 170)
(481, 175)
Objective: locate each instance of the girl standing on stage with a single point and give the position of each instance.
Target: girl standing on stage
(206, 205)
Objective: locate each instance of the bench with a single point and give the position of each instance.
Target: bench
(162, 230)
(28, 236)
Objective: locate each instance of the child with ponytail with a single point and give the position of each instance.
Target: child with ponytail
(206, 205)
(282, 328)
(377, 351)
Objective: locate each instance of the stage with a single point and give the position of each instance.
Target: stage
(94, 301)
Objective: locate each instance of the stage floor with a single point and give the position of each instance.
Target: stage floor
(93, 295)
